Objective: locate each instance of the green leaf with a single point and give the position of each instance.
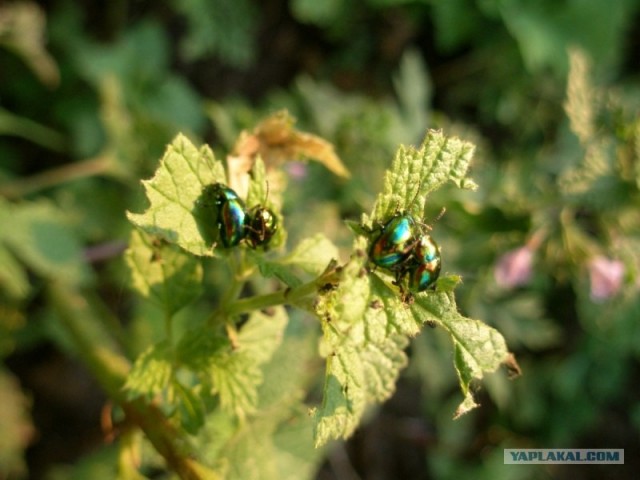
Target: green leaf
(234, 371)
(262, 334)
(546, 29)
(478, 348)
(235, 378)
(162, 272)
(417, 172)
(266, 448)
(319, 13)
(366, 323)
(292, 367)
(199, 347)
(39, 234)
(13, 277)
(191, 408)
(274, 443)
(178, 212)
(282, 272)
(312, 255)
(363, 349)
(151, 373)
(236, 374)
(224, 28)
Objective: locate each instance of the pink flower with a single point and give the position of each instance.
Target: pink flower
(606, 277)
(514, 267)
(297, 170)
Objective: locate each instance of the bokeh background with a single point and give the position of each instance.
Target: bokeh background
(548, 247)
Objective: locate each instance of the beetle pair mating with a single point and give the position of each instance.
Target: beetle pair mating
(257, 225)
(406, 250)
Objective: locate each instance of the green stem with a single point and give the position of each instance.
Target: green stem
(238, 277)
(11, 124)
(288, 296)
(92, 343)
(20, 187)
(95, 347)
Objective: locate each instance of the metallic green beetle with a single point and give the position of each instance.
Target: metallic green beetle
(261, 224)
(425, 264)
(231, 215)
(394, 245)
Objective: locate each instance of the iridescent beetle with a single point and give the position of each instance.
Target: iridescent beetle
(231, 215)
(257, 226)
(395, 243)
(425, 265)
(261, 224)
(403, 248)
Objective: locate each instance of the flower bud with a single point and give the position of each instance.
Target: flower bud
(605, 276)
(514, 267)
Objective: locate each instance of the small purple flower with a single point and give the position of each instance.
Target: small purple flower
(297, 170)
(514, 267)
(606, 277)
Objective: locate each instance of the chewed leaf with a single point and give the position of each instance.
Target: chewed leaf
(176, 212)
(367, 321)
(276, 141)
(363, 348)
(478, 348)
(417, 172)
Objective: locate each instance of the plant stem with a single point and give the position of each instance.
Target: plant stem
(95, 347)
(23, 186)
(238, 276)
(287, 296)
(11, 124)
(92, 342)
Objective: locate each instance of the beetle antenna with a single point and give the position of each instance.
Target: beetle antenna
(435, 220)
(440, 215)
(266, 195)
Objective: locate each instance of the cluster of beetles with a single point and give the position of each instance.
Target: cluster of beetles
(402, 247)
(256, 226)
(405, 249)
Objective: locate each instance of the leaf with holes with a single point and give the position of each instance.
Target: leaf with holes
(179, 211)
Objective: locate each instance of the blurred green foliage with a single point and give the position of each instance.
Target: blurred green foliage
(91, 93)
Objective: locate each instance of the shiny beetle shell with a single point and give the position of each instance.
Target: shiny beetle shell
(231, 215)
(426, 269)
(394, 245)
(261, 224)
